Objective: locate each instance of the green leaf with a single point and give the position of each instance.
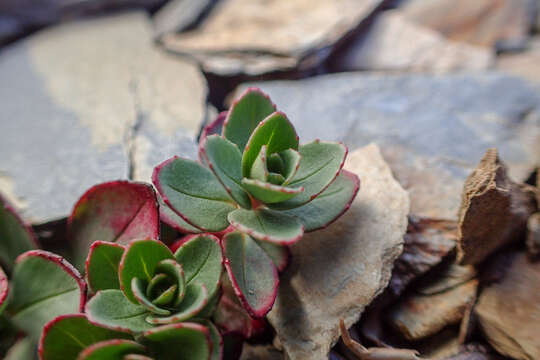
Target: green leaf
(276, 132)
(114, 349)
(4, 290)
(252, 273)
(102, 265)
(169, 217)
(23, 349)
(320, 164)
(111, 309)
(194, 301)
(330, 204)
(225, 161)
(202, 258)
(216, 340)
(258, 170)
(138, 288)
(43, 286)
(268, 225)
(194, 193)
(279, 254)
(173, 270)
(291, 162)
(245, 114)
(117, 211)
(139, 261)
(182, 341)
(66, 336)
(15, 236)
(269, 193)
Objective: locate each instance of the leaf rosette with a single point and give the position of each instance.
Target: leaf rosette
(254, 177)
(154, 286)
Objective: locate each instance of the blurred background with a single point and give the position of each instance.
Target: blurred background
(96, 90)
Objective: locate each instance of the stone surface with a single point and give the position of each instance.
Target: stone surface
(503, 24)
(269, 35)
(90, 102)
(18, 17)
(395, 43)
(419, 316)
(533, 235)
(525, 64)
(509, 311)
(337, 271)
(493, 212)
(432, 130)
(179, 15)
(260, 352)
(426, 243)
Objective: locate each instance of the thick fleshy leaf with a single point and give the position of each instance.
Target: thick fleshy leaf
(102, 265)
(245, 114)
(114, 349)
(280, 254)
(66, 336)
(269, 193)
(225, 161)
(268, 225)
(320, 164)
(112, 310)
(4, 290)
(253, 274)
(215, 338)
(202, 258)
(15, 236)
(139, 261)
(258, 170)
(118, 211)
(23, 349)
(276, 132)
(43, 286)
(232, 317)
(169, 217)
(194, 193)
(194, 301)
(182, 341)
(330, 204)
(138, 288)
(291, 162)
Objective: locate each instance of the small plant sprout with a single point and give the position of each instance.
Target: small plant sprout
(257, 183)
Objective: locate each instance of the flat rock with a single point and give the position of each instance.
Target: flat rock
(260, 352)
(509, 311)
(268, 36)
(18, 17)
(419, 316)
(395, 43)
(432, 129)
(426, 243)
(493, 212)
(525, 64)
(89, 102)
(502, 24)
(338, 271)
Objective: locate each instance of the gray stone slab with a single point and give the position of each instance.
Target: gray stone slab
(431, 129)
(75, 102)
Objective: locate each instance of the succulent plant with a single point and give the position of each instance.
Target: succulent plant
(73, 337)
(256, 179)
(144, 284)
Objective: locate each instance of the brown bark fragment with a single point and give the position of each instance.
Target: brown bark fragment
(494, 210)
(419, 316)
(509, 311)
